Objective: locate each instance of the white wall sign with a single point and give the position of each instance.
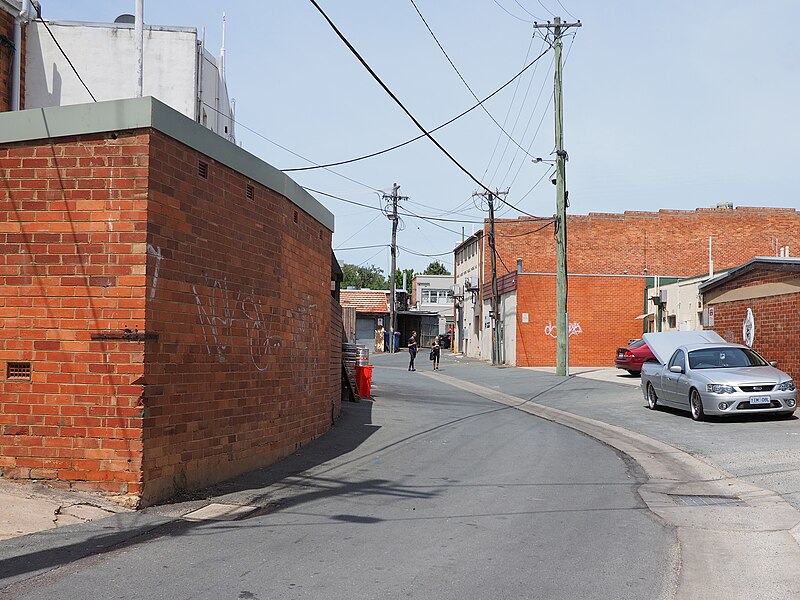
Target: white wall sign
(749, 328)
(710, 316)
(524, 317)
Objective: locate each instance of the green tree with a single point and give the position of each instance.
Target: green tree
(363, 277)
(436, 268)
(409, 279)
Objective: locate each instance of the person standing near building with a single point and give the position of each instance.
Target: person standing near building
(436, 351)
(412, 350)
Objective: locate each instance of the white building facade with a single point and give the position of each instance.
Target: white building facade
(177, 69)
(433, 293)
(468, 318)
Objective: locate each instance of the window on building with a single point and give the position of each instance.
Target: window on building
(436, 297)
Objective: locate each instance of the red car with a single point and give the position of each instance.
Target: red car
(632, 356)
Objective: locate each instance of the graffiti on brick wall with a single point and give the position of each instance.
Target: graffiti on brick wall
(260, 341)
(223, 311)
(574, 329)
(305, 343)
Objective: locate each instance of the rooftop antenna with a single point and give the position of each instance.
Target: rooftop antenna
(138, 39)
(222, 51)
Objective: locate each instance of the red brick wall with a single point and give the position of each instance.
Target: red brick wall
(72, 233)
(666, 243)
(777, 319)
(240, 374)
(104, 235)
(598, 324)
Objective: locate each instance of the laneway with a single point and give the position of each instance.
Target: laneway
(428, 492)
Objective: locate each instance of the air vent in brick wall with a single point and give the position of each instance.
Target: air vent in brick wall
(250, 192)
(295, 216)
(17, 370)
(202, 169)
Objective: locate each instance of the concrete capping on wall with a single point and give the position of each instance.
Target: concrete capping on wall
(765, 290)
(148, 112)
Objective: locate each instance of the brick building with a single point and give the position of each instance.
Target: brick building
(770, 289)
(167, 314)
(611, 259)
(13, 35)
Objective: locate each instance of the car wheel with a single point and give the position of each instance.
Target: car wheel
(696, 406)
(634, 373)
(652, 397)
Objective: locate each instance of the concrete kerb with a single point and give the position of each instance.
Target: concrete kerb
(749, 547)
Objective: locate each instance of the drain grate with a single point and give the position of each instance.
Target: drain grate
(706, 500)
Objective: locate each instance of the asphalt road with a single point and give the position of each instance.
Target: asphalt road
(429, 492)
(764, 451)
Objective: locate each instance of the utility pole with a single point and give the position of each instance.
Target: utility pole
(497, 337)
(562, 321)
(395, 198)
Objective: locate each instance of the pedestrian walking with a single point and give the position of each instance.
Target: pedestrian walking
(436, 351)
(412, 350)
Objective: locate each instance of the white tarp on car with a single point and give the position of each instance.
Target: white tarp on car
(664, 343)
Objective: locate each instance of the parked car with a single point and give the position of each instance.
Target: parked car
(705, 375)
(632, 356)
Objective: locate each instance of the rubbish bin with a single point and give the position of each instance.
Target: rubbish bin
(396, 340)
(364, 380)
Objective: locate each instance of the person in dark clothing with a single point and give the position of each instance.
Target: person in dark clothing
(412, 350)
(436, 351)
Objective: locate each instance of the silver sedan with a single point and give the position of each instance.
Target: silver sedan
(719, 379)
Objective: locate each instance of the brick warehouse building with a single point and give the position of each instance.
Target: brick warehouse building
(769, 288)
(610, 260)
(167, 315)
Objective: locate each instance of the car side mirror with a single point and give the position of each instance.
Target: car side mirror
(676, 369)
(773, 363)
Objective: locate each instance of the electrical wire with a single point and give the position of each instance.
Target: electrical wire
(38, 9)
(396, 99)
(360, 230)
(550, 221)
(449, 253)
(284, 148)
(527, 11)
(508, 12)
(419, 137)
(461, 77)
(566, 11)
(362, 247)
(544, 7)
(510, 106)
(313, 191)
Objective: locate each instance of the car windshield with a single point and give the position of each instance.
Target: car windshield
(725, 358)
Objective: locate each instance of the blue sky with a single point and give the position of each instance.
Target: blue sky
(667, 105)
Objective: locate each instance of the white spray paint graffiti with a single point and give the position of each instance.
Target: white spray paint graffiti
(215, 318)
(221, 311)
(574, 329)
(260, 340)
(155, 251)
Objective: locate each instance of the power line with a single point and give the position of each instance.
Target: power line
(38, 9)
(566, 11)
(419, 137)
(448, 253)
(508, 12)
(274, 143)
(361, 247)
(435, 39)
(395, 98)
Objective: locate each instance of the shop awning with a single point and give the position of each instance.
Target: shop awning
(644, 316)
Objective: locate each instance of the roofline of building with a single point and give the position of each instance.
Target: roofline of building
(749, 266)
(478, 234)
(148, 112)
(146, 26)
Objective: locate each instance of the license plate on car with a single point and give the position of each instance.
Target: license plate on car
(759, 400)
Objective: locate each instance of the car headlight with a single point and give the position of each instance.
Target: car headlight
(717, 388)
(786, 386)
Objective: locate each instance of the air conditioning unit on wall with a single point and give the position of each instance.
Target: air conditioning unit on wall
(471, 282)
